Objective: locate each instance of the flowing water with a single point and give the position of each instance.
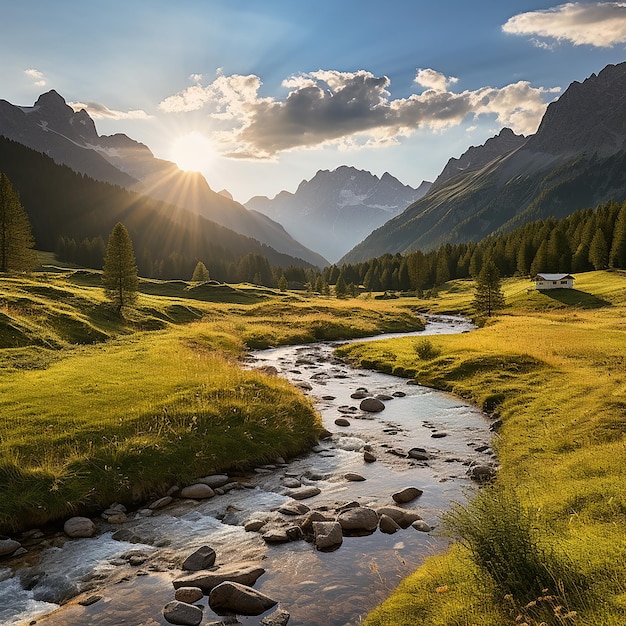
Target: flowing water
(131, 578)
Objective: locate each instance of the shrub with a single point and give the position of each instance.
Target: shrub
(426, 351)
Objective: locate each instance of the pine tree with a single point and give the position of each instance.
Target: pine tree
(488, 296)
(200, 273)
(283, 283)
(617, 257)
(598, 251)
(119, 274)
(341, 288)
(16, 240)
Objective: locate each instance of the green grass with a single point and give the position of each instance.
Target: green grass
(97, 408)
(553, 368)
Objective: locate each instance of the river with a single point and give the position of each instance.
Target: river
(129, 581)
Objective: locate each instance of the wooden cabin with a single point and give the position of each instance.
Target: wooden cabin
(554, 281)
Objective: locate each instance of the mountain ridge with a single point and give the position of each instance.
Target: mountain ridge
(574, 161)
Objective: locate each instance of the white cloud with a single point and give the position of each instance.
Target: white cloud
(39, 78)
(431, 79)
(99, 111)
(600, 24)
(347, 109)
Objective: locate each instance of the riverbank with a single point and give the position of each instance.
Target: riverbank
(99, 409)
(552, 368)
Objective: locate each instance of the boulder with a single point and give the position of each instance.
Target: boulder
(176, 612)
(327, 535)
(188, 594)
(214, 480)
(254, 525)
(202, 558)
(406, 495)
(359, 395)
(293, 508)
(368, 457)
(482, 473)
(313, 516)
(398, 394)
(387, 525)
(403, 517)
(439, 435)
(291, 483)
(276, 536)
(419, 454)
(239, 599)
(8, 546)
(371, 405)
(421, 525)
(304, 492)
(79, 527)
(199, 491)
(277, 618)
(161, 502)
(243, 573)
(342, 421)
(352, 477)
(358, 518)
(384, 397)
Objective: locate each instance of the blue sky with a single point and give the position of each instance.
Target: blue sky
(260, 94)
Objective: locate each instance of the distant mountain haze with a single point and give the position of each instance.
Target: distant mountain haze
(52, 127)
(336, 209)
(575, 160)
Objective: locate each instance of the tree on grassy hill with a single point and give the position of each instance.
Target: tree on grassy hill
(119, 274)
(16, 239)
(283, 283)
(200, 273)
(488, 296)
(599, 251)
(618, 248)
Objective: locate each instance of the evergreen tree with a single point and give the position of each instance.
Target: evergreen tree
(617, 257)
(598, 251)
(119, 274)
(488, 296)
(443, 269)
(283, 283)
(200, 273)
(341, 288)
(16, 240)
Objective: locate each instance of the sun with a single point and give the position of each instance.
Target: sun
(192, 152)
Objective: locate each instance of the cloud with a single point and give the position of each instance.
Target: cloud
(39, 78)
(599, 24)
(99, 111)
(348, 110)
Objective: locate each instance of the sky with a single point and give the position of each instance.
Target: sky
(259, 95)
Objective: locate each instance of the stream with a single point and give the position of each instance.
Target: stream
(124, 574)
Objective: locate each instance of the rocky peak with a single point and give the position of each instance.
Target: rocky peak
(478, 156)
(52, 100)
(589, 117)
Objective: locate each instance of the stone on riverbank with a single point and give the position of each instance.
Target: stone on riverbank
(304, 492)
(188, 594)
(199, 491)
(176, 612)
(161, 502)
(403, 517)
(353, 477)
(8, 546)
(387, 525)
(214, 480)
(243, 573)
(358, 518)
(406, 495)
(230, 596)
(342, 421)
(277, 618)
(421, 525)
(79, 527)
(419, 454)
(368, 457)
(327, 535)
(202, 558)
(371, 405)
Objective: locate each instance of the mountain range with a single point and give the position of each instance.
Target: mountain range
(575, 160)
(336, 209)
(53, 128)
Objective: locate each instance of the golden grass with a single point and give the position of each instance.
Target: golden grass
(553, 367)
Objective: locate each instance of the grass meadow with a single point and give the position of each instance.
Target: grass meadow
(547, 542)
(96, 408)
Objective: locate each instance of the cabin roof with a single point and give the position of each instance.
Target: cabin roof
(553, 276)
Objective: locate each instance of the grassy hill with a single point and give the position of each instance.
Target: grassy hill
(551, 532)
(97, 409)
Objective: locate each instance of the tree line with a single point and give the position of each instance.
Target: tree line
(588, 239)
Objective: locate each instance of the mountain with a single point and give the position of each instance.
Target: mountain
(576, 159)
(336, 209)
(52, 127)
(168, 241)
